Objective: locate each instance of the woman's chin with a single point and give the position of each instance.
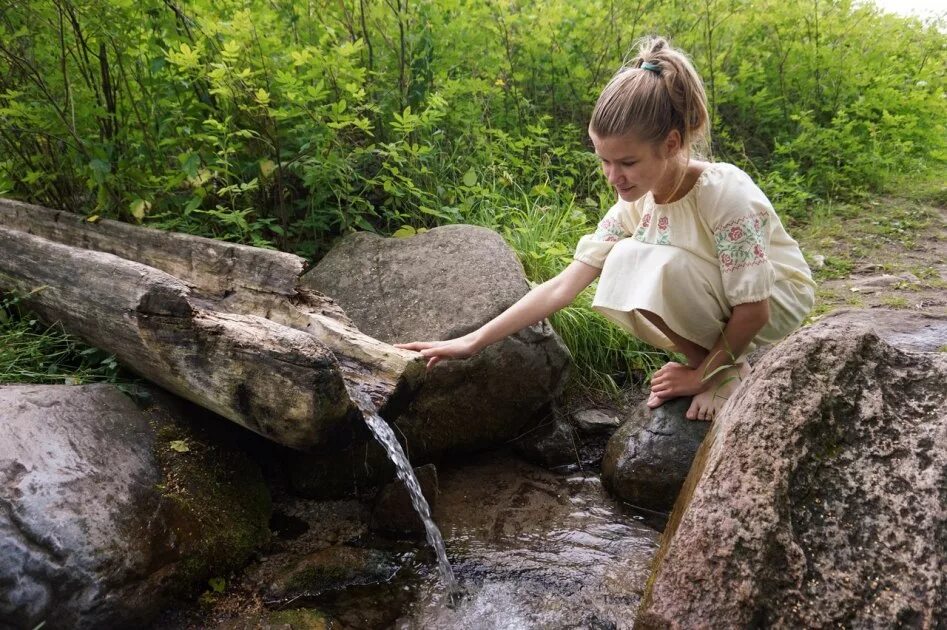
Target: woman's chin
(629, 194)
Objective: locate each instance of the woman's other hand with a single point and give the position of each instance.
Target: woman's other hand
(675, 380)
(437, 351)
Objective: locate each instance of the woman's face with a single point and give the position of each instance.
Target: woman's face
(634, 167)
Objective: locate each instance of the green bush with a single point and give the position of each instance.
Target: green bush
(286, 125)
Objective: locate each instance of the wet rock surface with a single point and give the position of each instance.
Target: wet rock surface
(394, 513)
(818, 499)
(906, 330)
(99, 522)
(649, 456)
(439, 285)
(530, 548)
(334, 568)
(535, 549)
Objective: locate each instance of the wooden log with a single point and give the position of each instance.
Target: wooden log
(214, 268)
(277, 381)
(221, 324)
(235, 278)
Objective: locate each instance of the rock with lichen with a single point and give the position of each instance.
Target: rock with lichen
(818, 498)
(109, 510)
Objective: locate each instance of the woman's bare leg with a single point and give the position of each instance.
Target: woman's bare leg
(695, 354)
(706, 404)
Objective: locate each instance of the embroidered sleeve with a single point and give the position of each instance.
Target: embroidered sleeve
(740, 217)
(741, 243)
(593, 248)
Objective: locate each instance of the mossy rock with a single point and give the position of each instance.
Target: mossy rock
(217, 502)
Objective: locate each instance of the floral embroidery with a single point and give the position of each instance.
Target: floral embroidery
(740, 243)
(664, 234)
(609, 230)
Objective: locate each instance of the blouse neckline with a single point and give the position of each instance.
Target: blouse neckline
(690, 193)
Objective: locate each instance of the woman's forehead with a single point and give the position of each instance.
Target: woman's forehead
(618, 147)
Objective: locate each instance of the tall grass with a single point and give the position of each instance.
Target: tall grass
(32, 352)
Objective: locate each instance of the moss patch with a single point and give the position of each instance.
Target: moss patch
(217, 504)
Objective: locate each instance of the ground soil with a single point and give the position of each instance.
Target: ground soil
(891, 253)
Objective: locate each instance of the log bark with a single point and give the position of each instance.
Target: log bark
(221, 324)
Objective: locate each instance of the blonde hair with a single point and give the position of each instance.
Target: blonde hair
(651, 101)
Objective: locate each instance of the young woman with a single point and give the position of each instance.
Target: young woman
(692, 256)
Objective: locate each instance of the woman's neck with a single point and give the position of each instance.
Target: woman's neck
(679, 183)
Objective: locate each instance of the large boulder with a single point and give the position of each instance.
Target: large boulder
(107, 510)
(438, 285)
(648, 457)
(818, 498)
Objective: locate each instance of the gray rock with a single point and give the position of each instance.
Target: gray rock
(394, 513)
(333, 568)
(818, 499)
(882, 282)
(648, 457)
(551, 443)
(906, 330)
(101, 521)
(595, 421)
(439, 285)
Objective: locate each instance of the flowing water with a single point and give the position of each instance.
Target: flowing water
(386, 437)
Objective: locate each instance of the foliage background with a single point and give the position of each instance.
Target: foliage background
(287, 123)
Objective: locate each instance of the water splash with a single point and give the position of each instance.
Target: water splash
(386, 437)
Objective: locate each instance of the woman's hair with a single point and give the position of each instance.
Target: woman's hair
(658, 91)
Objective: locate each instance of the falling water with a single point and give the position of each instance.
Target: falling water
(386, 437)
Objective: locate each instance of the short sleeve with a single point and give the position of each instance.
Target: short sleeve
(741, 220)
(593, 248)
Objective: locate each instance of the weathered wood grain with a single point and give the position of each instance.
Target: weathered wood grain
(221, 324)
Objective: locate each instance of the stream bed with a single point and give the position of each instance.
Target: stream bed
(530, 548)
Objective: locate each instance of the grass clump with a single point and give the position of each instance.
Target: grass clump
(34, 352)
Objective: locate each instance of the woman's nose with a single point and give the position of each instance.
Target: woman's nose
(610, 173)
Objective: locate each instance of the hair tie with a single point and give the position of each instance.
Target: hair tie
(647, 65)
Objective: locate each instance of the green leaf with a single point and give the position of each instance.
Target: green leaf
(404, 231)
(267, 167)
(179, 446)
(217, 584)
(470, 177)
(138, 208)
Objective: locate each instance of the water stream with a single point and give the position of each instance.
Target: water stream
(386, 437)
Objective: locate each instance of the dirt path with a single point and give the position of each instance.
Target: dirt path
(891, 253)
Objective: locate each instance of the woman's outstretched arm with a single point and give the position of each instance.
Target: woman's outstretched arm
(541, 302)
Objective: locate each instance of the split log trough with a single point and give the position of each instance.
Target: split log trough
(226, 326)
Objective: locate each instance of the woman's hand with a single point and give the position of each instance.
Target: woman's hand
(674, 380)
(437, 351)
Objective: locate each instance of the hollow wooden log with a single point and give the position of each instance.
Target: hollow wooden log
(221, 324)
(236, 278)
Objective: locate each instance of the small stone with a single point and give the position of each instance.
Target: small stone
(595, 421)
(550, 444)
(881, 282)
(648, 457)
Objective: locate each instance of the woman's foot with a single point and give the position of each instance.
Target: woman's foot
(706, 404)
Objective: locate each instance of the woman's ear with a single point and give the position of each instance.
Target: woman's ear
(672, 144)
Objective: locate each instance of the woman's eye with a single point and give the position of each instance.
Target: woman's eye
(628, 163)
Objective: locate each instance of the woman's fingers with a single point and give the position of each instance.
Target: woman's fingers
(437, 351)
(414, 345)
